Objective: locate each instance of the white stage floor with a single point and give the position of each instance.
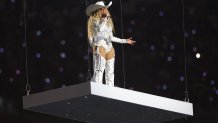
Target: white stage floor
(98, 103)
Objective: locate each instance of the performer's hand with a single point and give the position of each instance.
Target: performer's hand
(130, 41)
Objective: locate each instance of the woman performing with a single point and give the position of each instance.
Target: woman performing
(100, 34)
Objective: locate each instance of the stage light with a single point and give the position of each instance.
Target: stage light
(217, 92)
(194, 49)
(169, 58)
(11, 79)
(80, 34)
(132, 22)
(161, 13)
(63, 55)
(63, 42)
(80, 75)
(172, 47)
(61, 69)
(38, 55)
(181, 78)
(198, 55)
(2, 50)
(47, 80)
(164, 87)
(212, 82)
(204, 74)
(194, 31)
(18, 72)
(23, 44)
(152, 47)
(211, 99)
(186, 34)
(85, 57)
(13, 1)
(38, 33)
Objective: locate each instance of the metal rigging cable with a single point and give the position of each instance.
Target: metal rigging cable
(28, 87)
(123, 53)
(185, 57)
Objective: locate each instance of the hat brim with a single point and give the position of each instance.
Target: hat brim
(94, 7)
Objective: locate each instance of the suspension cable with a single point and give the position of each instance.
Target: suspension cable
(123, 53)
(88, 47)
(28, 87)
(185, 57)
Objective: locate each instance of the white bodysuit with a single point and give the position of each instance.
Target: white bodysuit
(103, 35)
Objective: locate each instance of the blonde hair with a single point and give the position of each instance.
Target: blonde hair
(95, 17)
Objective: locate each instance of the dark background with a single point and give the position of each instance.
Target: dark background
(58, 56)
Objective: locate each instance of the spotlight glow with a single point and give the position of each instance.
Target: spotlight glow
(63, 55)
(198, 55)
(172, 47)
(38, 33)
(18, 72)
(212, 82)
(23, 44)
(161, 13)
(211, 99)
(63, 42)
(85, 57)
(38, 55)
(80, 34)
(194, 49)
(61, 69)
(80, 75)
(181, 78)
(186, 34)
(164, 87)
(132, 22)
(47, 80)
(216, 92)
(194, 31)
(169, 58)
(11, 79)
(152, 47)
(204, 74)
(2, 50)
(13, 1)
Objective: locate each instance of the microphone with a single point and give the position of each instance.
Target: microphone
(106, 16)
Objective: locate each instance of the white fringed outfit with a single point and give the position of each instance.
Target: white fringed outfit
(103, 36)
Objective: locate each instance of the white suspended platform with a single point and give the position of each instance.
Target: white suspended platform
(99, 103)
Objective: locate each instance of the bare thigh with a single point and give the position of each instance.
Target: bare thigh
(102, 51)
(110, 54)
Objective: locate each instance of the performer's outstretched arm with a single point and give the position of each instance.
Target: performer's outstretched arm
(118, 40)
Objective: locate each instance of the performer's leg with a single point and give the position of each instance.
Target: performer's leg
(109, 70)
(98, 63)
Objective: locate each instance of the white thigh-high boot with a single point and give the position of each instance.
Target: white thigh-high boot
(98, 67)
(109, 72)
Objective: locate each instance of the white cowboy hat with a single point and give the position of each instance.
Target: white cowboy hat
(100, 4)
